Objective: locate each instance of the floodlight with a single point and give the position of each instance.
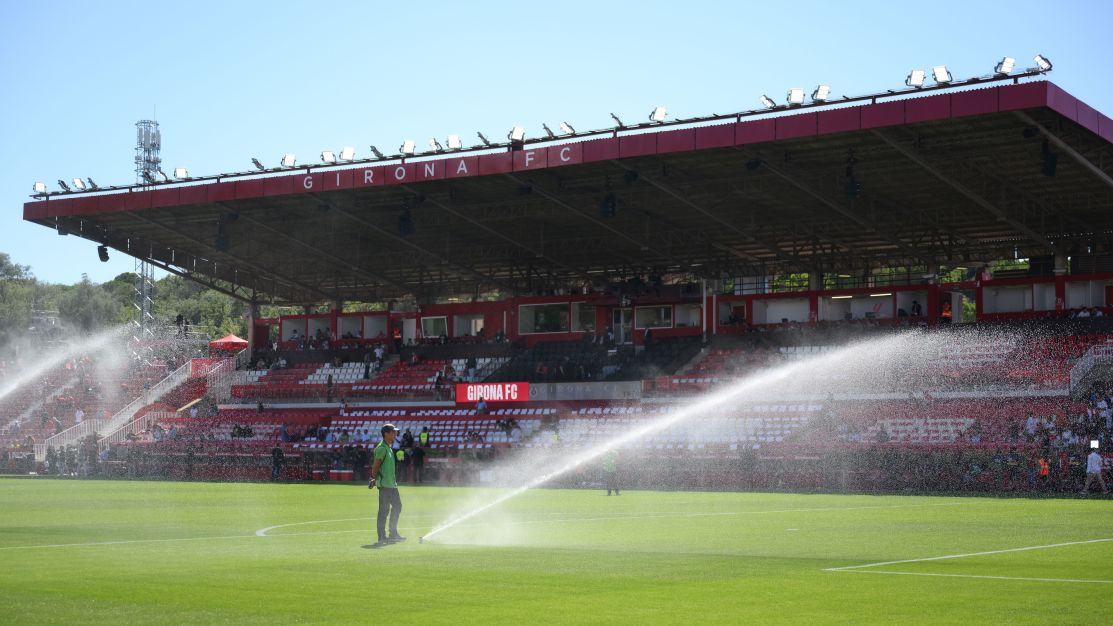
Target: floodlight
(408, 147)
(548, 131)
(92, 184)
(40, 187)
(181, 172)
(436, 145)
(796, 96)
(567, 129)
(916, 78)
(454, 142)
(617, 121)
(79, 184)
(258, 165)
(375, 151)
(940, 74)
(1042, 62)
(63, 185)
(483, 138)
(1005, 66)
(821, 92)
(289, 160)
(516, 134)
(658, 114)
(102, 252)
(348, 154)
(768, 103)
(327, 156)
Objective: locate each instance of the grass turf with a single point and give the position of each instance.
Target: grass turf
(143, 552)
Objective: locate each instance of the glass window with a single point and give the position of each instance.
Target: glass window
(434, 326)
(583, 317)
(653, 317)
(542, 318)
(689, 315)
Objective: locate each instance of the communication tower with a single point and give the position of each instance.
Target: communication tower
(148, 170)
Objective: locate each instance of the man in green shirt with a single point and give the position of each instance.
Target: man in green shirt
(383, 476)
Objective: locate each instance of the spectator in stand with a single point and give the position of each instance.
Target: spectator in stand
(1093, 472)
(383, 476)
(193, 412)
(278, 458)
(78, 415)
(481, 406)
(917, 310)
(472, 366)
(407, 439)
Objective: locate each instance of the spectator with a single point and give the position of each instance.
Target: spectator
(481, 407)
(1093, 472)
(278, 458)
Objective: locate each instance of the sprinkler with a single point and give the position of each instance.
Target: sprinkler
(421, 539)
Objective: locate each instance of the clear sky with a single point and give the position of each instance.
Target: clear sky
(237, 79)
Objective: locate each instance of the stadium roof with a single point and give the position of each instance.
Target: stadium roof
(987, 173)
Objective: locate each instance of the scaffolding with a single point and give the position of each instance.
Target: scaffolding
(148, 167)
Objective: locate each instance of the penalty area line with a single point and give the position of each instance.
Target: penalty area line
(1042, 580)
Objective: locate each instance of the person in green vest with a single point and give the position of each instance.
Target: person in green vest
(383, 476)
(400, 465)
(610, 471)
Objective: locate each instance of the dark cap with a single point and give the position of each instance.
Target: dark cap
(388, 428)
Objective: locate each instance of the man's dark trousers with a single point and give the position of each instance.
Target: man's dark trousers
(390, 503)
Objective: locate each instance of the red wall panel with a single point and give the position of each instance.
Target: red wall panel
(1105, 128)
(464, 166)
(569, 154)
(1062, 102)
(883, 114)
(676, 141)
(134, 201)
(108, 204)
(501, 163)
(795, 126)
(1023, 96)
(193, 194)
(601, 149)
(166, 197)
(430, 170)
(222, 192)
(840, 120)
(530, 159)
(719, 136)
(369, 177)
(86, 205)
(277, 186)
(927, 109)
(755, 131)
(340, 179)
(637, 145)
(250, 188)
(1088, 117)
(978, 102)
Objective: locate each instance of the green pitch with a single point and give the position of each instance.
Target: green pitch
(139, 552)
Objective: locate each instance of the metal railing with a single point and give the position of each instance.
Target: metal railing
(1100, 353)
(122, 417)
(67, 437)
(133, 427)
(219, 380)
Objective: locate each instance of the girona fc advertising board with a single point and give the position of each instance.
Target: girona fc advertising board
(492, 392)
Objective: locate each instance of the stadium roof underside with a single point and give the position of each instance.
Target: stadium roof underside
(941, 179)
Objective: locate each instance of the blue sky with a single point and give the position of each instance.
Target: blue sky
(233, 80)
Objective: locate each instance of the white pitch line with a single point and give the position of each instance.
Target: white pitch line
(262, 532)
(1044, 580)
(118, 543)
(969, 554)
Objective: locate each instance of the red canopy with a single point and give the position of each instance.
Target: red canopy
(231, 342)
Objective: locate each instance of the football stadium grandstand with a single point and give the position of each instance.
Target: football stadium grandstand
(553, 294)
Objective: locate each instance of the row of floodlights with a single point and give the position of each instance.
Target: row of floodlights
(916, 78)
(89, 184)
(517, 134)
